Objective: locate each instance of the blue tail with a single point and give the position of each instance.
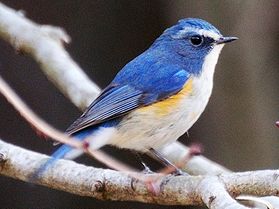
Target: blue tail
(66, 149)
(61, 152)
(58, 154)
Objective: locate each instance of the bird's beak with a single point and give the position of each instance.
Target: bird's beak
(224, 40)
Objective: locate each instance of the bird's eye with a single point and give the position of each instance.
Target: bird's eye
(196, 40)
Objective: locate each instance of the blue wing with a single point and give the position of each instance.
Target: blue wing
(114, 101)
(126, 93)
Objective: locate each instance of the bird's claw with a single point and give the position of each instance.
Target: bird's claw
(179, 172)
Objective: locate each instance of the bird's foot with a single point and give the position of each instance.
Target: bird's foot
(146, 169)
(179, 172)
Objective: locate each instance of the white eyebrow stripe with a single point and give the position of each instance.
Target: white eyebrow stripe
(209, 33)
(203, 32)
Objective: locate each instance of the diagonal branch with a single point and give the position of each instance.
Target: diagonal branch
(45, 44)
(47, 130)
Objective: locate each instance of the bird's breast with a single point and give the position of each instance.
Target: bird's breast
(164, 121)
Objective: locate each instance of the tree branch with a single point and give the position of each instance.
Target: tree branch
(45, 44)
(107, 184)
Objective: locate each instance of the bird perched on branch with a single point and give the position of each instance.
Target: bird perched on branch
(156, 97)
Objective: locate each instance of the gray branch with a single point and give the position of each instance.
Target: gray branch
(107, 184)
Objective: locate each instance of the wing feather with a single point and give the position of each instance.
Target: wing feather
(112, 102)
(117, 100)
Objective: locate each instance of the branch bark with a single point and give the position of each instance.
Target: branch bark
(107, 184)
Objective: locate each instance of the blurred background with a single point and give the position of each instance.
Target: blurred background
(237, 128)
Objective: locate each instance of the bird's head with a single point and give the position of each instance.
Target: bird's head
(191, 41)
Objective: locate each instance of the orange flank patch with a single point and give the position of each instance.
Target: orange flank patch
(166, 106)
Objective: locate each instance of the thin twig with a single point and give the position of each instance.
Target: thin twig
(49, 131)
(255, 199)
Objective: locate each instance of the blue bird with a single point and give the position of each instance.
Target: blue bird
(157, 96)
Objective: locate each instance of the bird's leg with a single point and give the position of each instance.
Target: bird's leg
(154, 184)
(146, 169)
(166, 162)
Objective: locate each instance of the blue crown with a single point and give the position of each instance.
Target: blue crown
(195, 23)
